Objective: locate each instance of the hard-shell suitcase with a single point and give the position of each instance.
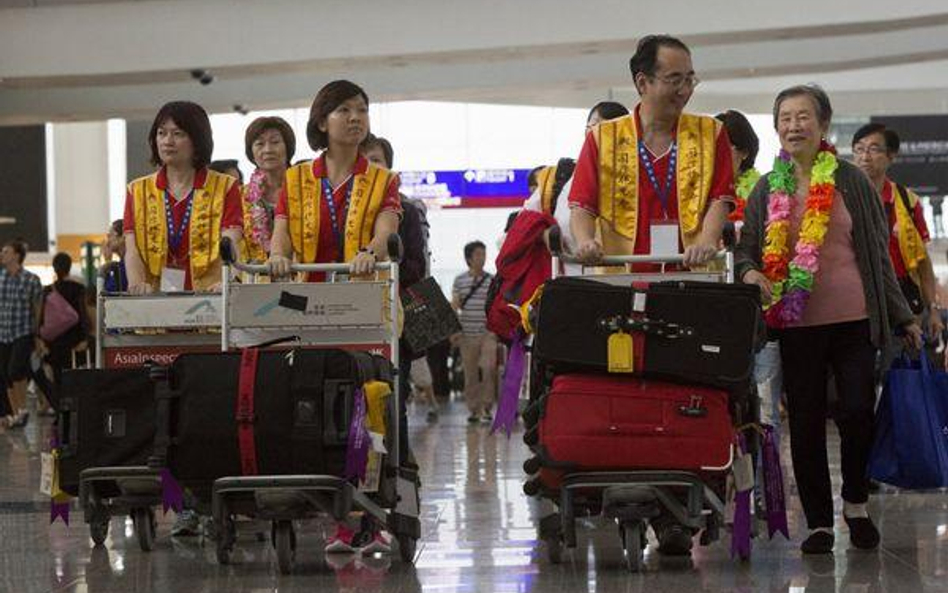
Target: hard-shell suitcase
(106, 417)
(692, 332)
(601, 422)
(297, 421)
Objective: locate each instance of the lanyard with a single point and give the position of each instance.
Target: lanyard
(646, 158)
(175, 236)
(333, 215)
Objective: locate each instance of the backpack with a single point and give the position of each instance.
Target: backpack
(413, 229)
(523, 264)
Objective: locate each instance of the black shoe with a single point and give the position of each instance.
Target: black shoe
(674, 539)
(863, 533)
(473, 419)
(819, 542)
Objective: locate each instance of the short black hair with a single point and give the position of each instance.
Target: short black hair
(645, 59)
(327, 100)
(62, 264)
(471, 247)
(532, 176)
(388, 153)
(261, 125)
(608, 110)
(742, 136)
(824, 109)
(118, 227)
(222, 165)
(892, 140)
(191, 118)
(19, 246)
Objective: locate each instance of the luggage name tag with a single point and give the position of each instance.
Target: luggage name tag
(48, 474)
(620, 353)
(373, 473)
(172, 280)
(664, 237)
(743, 470)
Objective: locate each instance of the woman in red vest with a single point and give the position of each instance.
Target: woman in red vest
(175, 217)
(339, 207)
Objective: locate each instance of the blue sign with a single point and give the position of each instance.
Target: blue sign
(470, 188)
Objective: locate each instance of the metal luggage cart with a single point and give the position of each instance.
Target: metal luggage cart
(359, 315)
(631, 498)
(133, 331)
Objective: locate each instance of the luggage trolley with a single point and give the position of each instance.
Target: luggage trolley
(133, 331)
(630, 498)
(339, 314)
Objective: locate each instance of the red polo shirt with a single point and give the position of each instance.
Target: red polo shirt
(585, 191)
(918, 216)
(181, 258)
(328, 250)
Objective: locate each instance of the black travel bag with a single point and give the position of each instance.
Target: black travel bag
(683, 331)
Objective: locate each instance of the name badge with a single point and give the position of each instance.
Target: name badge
(172, 280)
(664, 237)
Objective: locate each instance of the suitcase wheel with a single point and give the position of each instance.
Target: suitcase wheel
(284, 540)
(144, 520)
(99, 530)
(633, 542)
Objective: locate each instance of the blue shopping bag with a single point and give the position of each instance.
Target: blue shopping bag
(910, 448)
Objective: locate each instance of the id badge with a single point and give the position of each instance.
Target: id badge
(664, 237)
(172, 280)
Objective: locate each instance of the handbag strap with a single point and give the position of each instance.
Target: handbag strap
(245, 411)
(474, 289)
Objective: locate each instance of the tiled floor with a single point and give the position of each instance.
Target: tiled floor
(477, 535)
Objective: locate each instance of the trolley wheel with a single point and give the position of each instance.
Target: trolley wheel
(554, 549)
(406, 548)
(144, 520)
(99, 530)
(226, 536)
(632, 533)
(284, 540)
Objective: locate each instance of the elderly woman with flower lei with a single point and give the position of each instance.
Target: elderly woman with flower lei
(269, 143)
(814, 241)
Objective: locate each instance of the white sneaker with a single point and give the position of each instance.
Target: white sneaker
(381, 543)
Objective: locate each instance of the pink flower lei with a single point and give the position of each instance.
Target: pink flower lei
(261, 226)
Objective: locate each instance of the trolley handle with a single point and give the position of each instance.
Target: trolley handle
(620, 260)
(229, 256)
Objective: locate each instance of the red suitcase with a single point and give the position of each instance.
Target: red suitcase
(609, 422)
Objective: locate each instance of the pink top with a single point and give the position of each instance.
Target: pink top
(837, 294)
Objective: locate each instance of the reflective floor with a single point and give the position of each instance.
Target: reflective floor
(477, 535)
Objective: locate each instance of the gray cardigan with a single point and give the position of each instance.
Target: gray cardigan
(886, 306)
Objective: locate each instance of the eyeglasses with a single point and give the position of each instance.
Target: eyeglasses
(871, 150)
(676, 81)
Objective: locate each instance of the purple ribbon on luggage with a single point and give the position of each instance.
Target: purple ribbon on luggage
(58, 510)
(506, 415)
(741, 530)
(773, 486)
(357, 448)
(172, 497)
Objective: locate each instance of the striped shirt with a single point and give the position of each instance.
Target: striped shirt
(19, 296)
(473, 318)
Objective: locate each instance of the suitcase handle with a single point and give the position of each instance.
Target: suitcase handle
(652, 327)
(694, 409)
(333, 392)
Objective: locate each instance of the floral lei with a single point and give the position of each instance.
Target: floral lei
(260, 219)
(793, 278)
(743, 187)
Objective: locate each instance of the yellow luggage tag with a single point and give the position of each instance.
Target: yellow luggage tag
(621, 356)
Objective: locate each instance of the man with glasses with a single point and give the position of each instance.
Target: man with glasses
(658, 181)
(874, 149)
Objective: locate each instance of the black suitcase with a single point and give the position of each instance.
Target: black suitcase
(106, 417)
(684, 331)
(302, 407)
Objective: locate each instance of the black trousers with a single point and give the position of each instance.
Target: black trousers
(808, 353)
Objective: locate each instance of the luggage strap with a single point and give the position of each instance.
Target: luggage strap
(245, 411)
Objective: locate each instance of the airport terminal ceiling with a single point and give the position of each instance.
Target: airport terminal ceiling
(65, 60)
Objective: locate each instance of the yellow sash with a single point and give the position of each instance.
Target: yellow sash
(617, 140)
(304, 193)
(911, 245)
(546, 179)
(204, 229)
